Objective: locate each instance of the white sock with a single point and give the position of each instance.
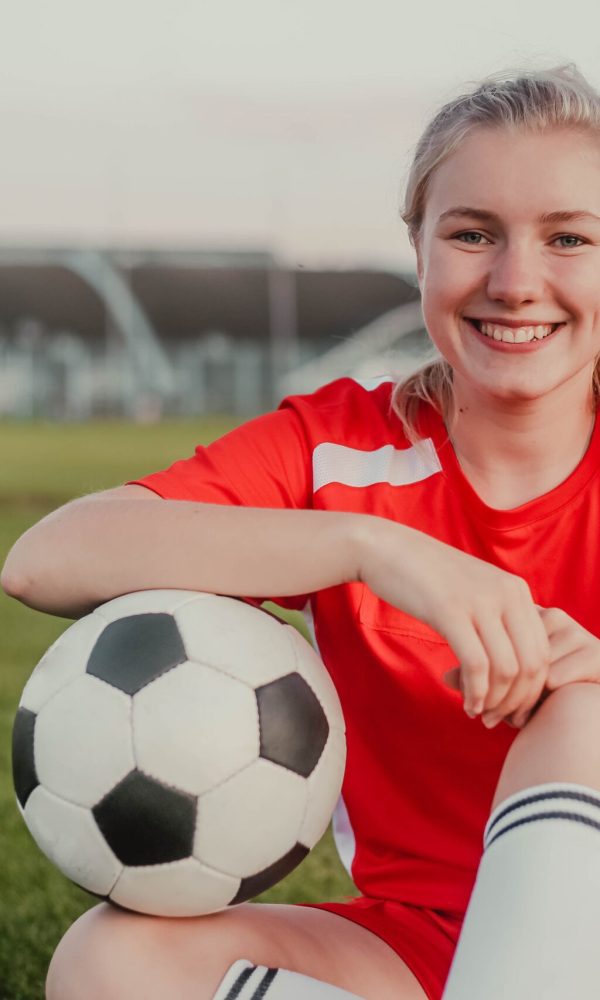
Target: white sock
(532, 929)
(245, 981)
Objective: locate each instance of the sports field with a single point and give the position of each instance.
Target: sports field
(43, 465)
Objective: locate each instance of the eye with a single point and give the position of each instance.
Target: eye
(471, 238)
(572, 245)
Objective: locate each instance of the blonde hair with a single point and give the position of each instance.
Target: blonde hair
(527, 99)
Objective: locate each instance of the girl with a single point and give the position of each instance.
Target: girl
(451, 519)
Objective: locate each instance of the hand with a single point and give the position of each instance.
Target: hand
(574, 652)
(486, 614)
(574, 656)
(516, 720)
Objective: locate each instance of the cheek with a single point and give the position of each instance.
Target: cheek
(445, 293)
(578, 286)
(449, 277)
(440, 323)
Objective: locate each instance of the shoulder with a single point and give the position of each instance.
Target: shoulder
(355, 438)
(356, 412)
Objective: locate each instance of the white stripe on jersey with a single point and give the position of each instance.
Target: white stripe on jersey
(336, 463)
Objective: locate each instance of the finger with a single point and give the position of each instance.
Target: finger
(504, 666)
(525, 697)
(521, 719)
(564, 643)
(574, 666)
(529, 633)
(474, 663)
(553, 620)
(530, 646)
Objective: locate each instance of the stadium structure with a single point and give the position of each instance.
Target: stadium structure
(88, 332)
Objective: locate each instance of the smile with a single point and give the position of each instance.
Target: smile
(515, 335)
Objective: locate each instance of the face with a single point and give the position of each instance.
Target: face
(502, 257)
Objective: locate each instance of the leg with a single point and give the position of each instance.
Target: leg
(531, 928)
(109, 954)
(560, 743)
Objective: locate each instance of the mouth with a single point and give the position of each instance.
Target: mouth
(514, 335)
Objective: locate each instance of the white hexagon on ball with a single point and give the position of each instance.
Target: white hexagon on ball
(69, 835)
(94, 751)
(265, 798)
(145, 602)
(236, 638)
(193, 727)
(64, 660)
(179, 889)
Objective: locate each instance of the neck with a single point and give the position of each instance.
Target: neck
(514, 452)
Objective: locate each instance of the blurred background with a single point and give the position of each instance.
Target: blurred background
(200, 198)
(198, 215)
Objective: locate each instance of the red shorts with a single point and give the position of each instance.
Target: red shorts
(424, 939)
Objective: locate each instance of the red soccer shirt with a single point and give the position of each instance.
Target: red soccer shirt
(421, 775)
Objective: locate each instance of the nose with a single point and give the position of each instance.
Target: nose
(515, 276)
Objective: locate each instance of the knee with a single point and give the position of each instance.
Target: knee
(91, 957)
(112, 953)
(571, 713)
(561, 742)
(71, 967)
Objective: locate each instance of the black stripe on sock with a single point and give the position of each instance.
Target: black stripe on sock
(574, 817)
(263, 987)
(591, 800)
(243, 977)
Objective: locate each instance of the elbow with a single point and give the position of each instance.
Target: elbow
(13, 578)
(11, 584)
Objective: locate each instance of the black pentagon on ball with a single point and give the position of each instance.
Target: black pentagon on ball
(146, 823)
(255, 884)
(293, 725)
(23, 762)
(135, 650)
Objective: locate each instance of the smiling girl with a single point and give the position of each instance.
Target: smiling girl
(448, 520)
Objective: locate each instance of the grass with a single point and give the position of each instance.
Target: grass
(43, 466)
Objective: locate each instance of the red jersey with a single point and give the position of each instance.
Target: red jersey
(420, 774)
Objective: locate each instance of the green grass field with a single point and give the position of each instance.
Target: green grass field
(42, 466)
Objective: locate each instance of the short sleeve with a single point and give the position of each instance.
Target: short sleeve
(266, 462)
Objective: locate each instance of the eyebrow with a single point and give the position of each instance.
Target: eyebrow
(548, 218)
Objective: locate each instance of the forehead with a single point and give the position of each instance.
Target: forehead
(519, 173)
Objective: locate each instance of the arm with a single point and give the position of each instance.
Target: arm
(126, 539)
(104, 545)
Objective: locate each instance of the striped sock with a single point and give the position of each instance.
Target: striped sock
(532, 928)
(245, 981)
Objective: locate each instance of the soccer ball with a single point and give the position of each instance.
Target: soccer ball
(177, 752)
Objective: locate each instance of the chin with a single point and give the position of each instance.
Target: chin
(518, 394)
(513, 391)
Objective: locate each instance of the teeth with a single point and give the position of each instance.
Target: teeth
(521, 335)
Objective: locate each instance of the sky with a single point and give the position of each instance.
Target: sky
(265, 125)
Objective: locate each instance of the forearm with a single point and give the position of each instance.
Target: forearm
(92, 550)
